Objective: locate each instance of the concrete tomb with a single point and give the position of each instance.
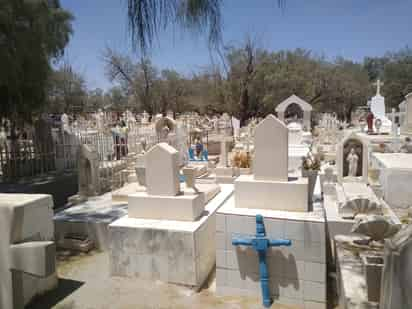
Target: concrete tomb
(296, 275)
(270, 187)
(27, 252)
(166, 235)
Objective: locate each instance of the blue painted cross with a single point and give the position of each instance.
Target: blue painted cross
(261, 244)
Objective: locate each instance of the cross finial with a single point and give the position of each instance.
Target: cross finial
(378, 86)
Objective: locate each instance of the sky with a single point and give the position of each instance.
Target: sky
(349, 28)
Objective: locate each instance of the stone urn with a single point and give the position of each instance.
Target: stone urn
(312, 175)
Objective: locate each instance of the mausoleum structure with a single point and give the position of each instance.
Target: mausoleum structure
(271, 205)
(167, 233)
(305, 106)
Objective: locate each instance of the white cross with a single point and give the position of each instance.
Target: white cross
(378, 86)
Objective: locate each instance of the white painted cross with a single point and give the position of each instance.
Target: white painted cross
(378, 86)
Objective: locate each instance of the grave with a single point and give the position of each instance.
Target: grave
(270, 183)
(395, 176)
(406, 125)
(224, 172)
(377, 107)
(166, 235)
(296, 274)
(27, 264)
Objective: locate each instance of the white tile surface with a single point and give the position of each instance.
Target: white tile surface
(315, 272)
(220, 241)
(220, 223)
(295, 230)
(221, 258)
(314, 291)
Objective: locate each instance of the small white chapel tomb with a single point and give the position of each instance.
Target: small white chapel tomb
(27, 252)
(297, 274)
(167, 233)
(305, 106)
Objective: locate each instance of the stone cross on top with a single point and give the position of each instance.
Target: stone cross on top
(162, 170)
(271, 150)
(378, 84)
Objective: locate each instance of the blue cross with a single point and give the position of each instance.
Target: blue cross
(261, 244)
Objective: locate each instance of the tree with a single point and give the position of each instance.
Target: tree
(136, 79)
(147, 17)
(32, 34)
(66, 90)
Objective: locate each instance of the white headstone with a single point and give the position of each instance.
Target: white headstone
(236, 126)
(377, 106)
(271, 150)
(162, 170)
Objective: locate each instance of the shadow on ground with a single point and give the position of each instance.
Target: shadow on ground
(52, 298)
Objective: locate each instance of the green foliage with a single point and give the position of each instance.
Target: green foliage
(32, 34)
(67, 90)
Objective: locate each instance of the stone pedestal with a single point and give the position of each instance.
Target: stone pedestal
(264, 194)
(181, 207)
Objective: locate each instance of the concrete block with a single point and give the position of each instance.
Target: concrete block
(181, 207)
(277, 195)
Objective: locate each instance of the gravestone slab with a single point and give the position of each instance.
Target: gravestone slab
(271, 150)
(162, 170)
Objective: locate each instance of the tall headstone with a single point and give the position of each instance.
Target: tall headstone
(377, 107)
(271, 150)
(162, 170)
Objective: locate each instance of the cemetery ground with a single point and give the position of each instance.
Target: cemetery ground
(85, 282)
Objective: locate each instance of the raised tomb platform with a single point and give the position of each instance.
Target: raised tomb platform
(168, 230)
(296, 272)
